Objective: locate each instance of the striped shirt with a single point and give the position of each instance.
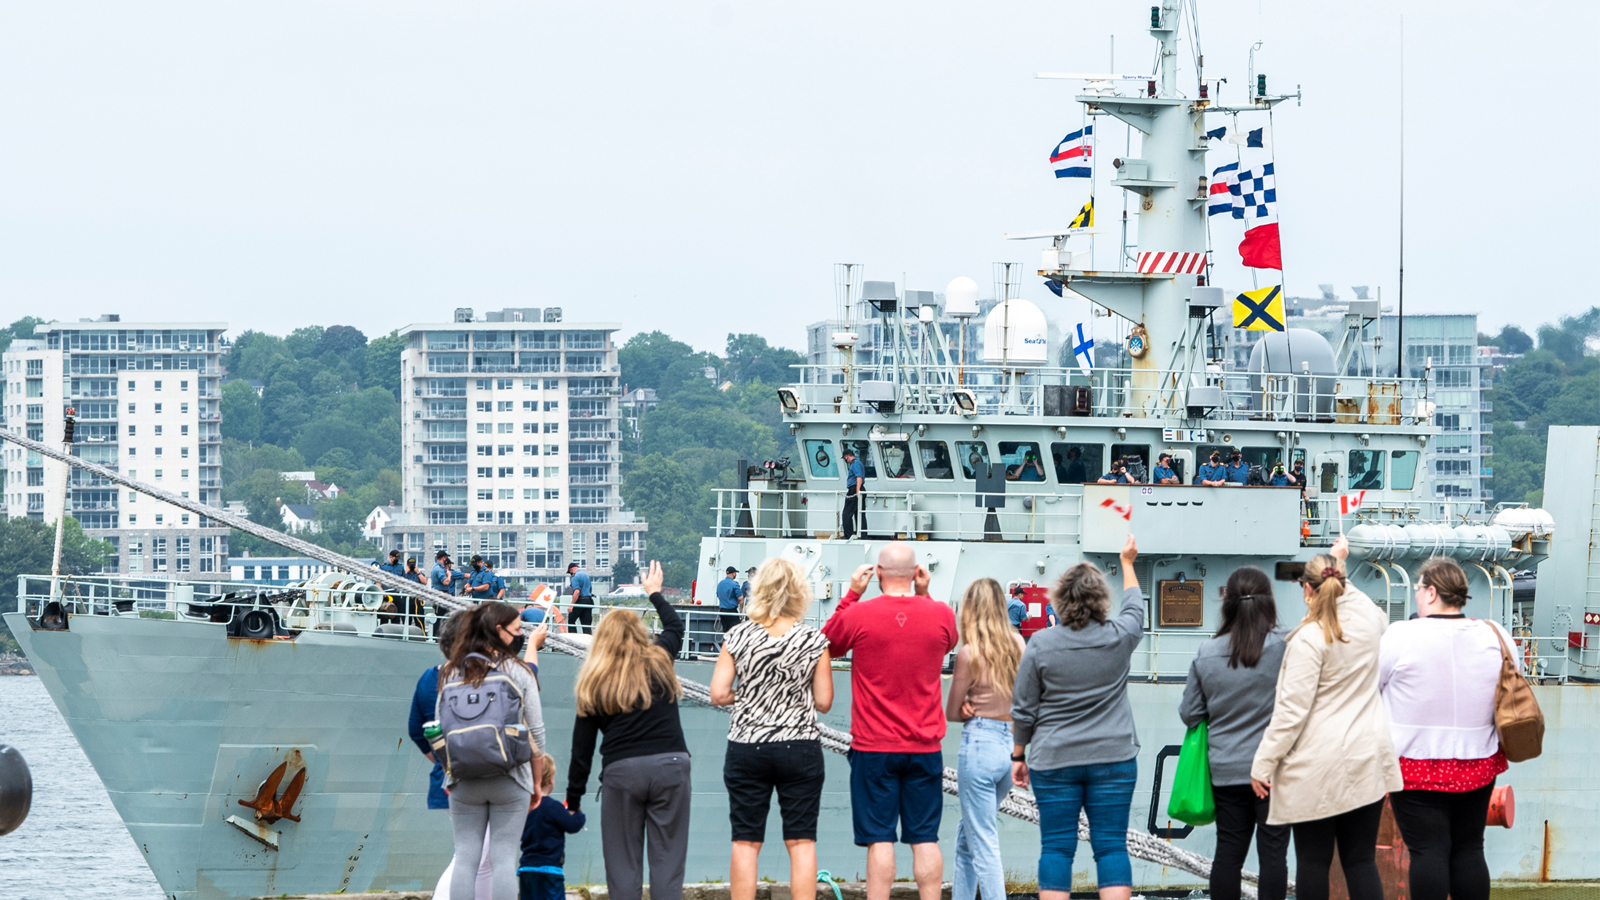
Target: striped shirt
(773, 683)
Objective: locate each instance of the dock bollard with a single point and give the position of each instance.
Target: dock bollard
(16, 789)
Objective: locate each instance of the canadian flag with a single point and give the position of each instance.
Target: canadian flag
(1349, 503)
(1122, 509)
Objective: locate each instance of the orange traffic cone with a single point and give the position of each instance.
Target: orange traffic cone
(1502, 806)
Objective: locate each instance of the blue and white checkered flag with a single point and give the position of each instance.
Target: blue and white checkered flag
(1257, 194)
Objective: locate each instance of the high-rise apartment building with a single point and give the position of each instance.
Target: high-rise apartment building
(146, 397)
(510, 445)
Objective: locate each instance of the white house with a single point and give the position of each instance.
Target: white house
(298, 517)
(380, 518)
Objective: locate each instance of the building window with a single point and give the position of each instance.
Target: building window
(508, 494)
(158, 406)
(503, 405)
(530, 493)
(184, 386)
(130, 390)
(132, 429)
(485, 428)
(530, 427)
(503, 384)
(530, 405)
(184, 430)
(486, 471)
(158, 387)
(530, 518)
(551, 516)
(485, 450)
(552, 493)
(485, 516)
(505, 427)
(130, 411)
(249, 573)
(484, 405)
(552, 449)
(158, 452)
(507, 449)
(183, 452)
(530, 471)
(505, 518)
(485, 493)
(183, 475)
(183, 409)
(158, 474)
(552, 427)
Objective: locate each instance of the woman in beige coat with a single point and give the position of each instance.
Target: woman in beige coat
(1327, 757)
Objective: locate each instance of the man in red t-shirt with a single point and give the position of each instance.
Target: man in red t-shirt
(898, 641)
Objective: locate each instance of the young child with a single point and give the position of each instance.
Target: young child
(544, 840)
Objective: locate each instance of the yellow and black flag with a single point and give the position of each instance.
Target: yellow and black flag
(1085, 216)
(1259, 310)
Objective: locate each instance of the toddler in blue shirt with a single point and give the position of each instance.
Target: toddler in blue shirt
(544, 840)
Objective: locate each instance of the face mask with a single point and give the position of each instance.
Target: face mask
(517, 643)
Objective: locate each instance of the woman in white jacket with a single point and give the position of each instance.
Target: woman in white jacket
(1327, 757)
(1438, 675)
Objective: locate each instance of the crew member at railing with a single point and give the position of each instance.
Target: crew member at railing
(480, 584)
(1237, 471)
(1118, 474)
(1280, 477)
(855, 481)
(442, 578)
(1164, 473)
(581, 612)
(1029, 469)
(393, 565)
(497, 585)
(1213, 473)
(412, 573)
(730, 598)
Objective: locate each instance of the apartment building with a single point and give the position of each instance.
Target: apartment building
(147, 398)
(511, 446)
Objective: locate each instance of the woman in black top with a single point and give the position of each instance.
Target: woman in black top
(628, 691)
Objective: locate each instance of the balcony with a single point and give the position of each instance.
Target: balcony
(446, 479)
(448, 458)
(594, 435)
(592, 479)
(594, 392)
(593, 457)
(444, 414)
(86, 505)
(445, 503)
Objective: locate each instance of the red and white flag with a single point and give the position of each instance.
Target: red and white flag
(1166, 262)
(1349, 503)
(1125, 510)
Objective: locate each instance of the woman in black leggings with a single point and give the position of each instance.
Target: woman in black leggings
(1327, 759)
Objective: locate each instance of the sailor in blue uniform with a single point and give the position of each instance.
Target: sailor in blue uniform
(480, 585)
(1118, 474)
(1279, 477)
(1238, 472)
(1213, 473)
(1163, 473)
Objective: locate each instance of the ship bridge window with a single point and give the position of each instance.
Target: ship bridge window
(935, 460)
(1077, 463)
(1022, 461)
(1403, 469)
(972, 455)
(896, 459)
(863, 451)
(1366, 470)
(1137, 456)
(820, 459)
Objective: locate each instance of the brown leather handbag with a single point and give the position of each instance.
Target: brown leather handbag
(1517, 717)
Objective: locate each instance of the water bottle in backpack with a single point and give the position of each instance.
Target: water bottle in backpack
(481, 731)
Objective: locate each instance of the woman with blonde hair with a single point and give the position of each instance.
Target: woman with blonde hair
(775, 673)
(628, 691)
(980, 699)
(1327, 757)
(1071, 705)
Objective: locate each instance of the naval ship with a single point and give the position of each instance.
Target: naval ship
(252, 738)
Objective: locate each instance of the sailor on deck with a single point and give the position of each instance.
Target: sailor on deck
(1237, 471)
(1213, 473)
(1163, 473)
(855, 481)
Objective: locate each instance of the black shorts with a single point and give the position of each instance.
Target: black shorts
(752, 771)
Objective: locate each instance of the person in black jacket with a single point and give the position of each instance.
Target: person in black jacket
(628, 691)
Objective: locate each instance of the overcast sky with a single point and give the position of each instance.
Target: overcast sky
(698, 167)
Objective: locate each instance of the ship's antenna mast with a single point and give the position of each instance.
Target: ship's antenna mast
(1400, 320)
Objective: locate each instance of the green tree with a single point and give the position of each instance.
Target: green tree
(21, 328)
(241, 411)
(304, 342)
(1554, 385)
(678, 509)
(624, 571)
(383, 363)
(1514, 340)
(26, 547)
(750, 358)
(286, 408)
(645, 357)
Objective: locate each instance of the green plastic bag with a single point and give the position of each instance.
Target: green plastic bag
(1192, 801)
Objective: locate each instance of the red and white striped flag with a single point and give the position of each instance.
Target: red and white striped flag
(1171, 263)
(1125, 510)
(1349, 503)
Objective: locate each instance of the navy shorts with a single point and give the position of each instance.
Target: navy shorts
(886, 788)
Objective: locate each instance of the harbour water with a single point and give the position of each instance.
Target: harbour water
(73, 844)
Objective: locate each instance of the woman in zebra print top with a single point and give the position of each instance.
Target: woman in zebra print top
(783, 677)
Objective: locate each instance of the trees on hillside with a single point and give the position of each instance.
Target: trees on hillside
(1556, 384)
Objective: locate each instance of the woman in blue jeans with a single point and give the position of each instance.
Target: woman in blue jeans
(1073, 727)
(980, 698)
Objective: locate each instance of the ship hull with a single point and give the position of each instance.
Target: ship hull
(182, 723)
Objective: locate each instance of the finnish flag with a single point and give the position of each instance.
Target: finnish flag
(1083, 346)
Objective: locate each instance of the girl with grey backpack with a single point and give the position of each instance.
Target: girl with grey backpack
(491, 736)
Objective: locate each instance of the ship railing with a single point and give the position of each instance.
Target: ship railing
(1130, 393)
(1047, 513)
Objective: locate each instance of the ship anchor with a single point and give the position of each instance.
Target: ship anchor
(268, 806)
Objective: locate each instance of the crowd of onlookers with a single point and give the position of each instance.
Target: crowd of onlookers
(1309, 730)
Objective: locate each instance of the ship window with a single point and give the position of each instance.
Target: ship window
(1137, 456)
(935, 460)
(972, 454)
(820, 459)
(1403, 469)
(1022, 461)
(896, 459)
(1265, 457)
(1366, 470)
(1077, 463)
(863, 451)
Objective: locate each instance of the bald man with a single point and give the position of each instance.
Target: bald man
(898, 641)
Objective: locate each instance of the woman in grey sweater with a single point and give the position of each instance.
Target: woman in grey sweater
(1071, 704)
(1232, 682)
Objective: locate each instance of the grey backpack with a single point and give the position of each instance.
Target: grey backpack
(480, 727)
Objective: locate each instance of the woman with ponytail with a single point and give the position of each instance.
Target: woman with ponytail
(1327, 760)
(1231, 683)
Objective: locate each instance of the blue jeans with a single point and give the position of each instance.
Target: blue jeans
(984, 773)
(1105, 792)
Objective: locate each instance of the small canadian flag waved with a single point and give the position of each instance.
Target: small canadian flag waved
(1349, 503)
(1122, 509)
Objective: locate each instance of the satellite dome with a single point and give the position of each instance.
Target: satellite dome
(961, 297)
(1016, 334)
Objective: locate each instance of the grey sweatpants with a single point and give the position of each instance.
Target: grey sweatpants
(646, 795)
(500, 806)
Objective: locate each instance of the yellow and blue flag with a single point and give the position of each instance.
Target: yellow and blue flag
(1259, 310)
(1085, 216)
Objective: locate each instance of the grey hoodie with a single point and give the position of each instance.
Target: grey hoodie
(1237, 701)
